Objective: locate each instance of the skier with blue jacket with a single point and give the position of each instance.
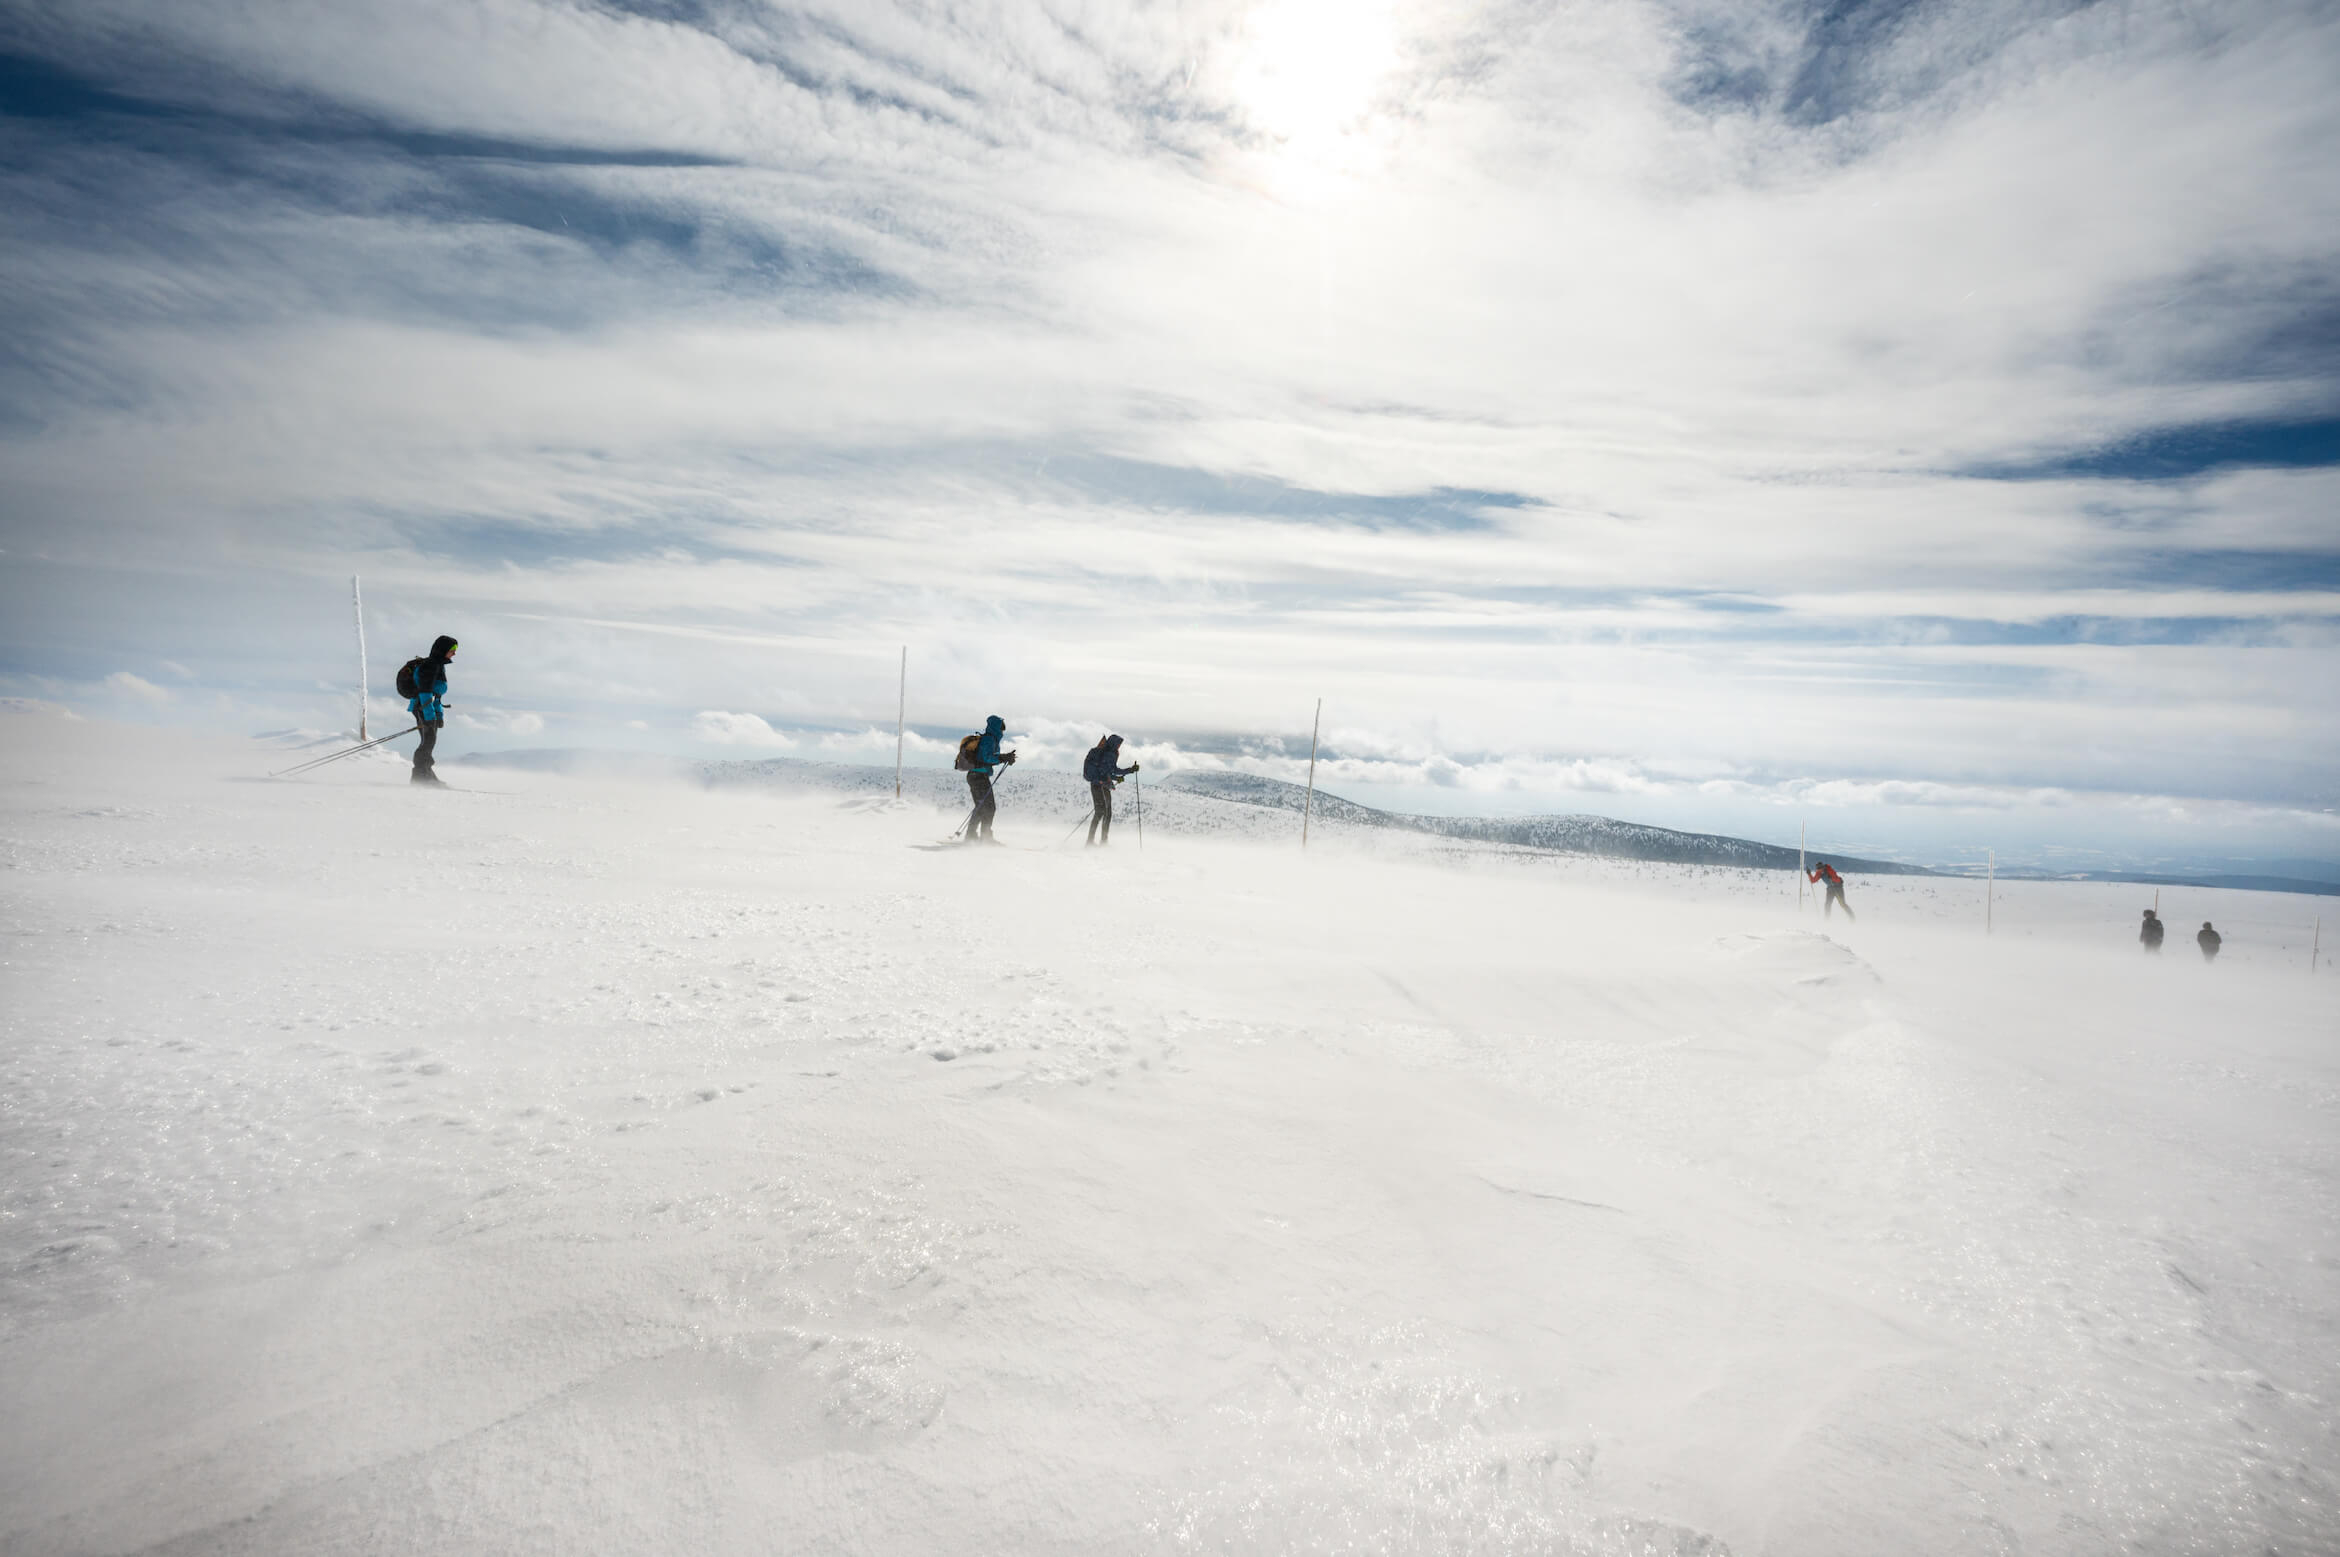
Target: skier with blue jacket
(989, 759)
(427, 705)
(1099, 768)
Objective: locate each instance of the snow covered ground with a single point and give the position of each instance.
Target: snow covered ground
(587, 1166)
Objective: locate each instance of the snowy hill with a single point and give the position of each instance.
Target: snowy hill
(568, 1164)
(1194, 801)
(1597, 835)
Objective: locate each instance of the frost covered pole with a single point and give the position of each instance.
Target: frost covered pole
(901, 715)
(1990, 887)
(1801, 874)
(357, 609)
(1309, 804)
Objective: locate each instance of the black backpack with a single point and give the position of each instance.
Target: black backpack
(410, 677)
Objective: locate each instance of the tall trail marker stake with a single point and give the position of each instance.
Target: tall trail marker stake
(1308, 805)
(901, 714)
(357, 609)
(1801, 873)
(1990, 888)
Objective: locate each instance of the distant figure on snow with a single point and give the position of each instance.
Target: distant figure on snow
(1098, 768)
(1822, 872)
(984, 760)
(425, 683)
(2150, 935)
(2209, 940)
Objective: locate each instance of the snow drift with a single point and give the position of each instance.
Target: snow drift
(625, 1166)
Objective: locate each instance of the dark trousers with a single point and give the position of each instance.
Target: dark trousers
(1101, 818)
(422, 750)
(1836, 901)
(979, 825)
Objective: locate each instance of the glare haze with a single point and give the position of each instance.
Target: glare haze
(1919, 420)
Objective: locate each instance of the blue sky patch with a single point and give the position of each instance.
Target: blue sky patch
(1190, 489)
(2182, 453)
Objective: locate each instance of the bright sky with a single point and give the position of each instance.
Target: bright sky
(1918, 419)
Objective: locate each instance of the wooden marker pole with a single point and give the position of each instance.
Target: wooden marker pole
(1309, 804)
(1802, 871)
(1990, 888)
(357, 610)
(901, 717)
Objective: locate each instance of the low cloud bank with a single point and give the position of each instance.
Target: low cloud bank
(1888, 818)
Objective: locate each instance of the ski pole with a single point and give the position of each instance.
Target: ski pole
(1141, 811)
(318, 762)
(350, 751)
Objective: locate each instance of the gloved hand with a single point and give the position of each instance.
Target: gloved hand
(1133, 767)
(1010, 759)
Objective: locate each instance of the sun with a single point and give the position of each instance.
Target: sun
(1308, 74)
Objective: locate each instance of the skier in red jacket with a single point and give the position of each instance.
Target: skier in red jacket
(1821, 872)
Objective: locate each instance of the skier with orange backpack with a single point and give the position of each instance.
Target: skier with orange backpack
(1821, 871)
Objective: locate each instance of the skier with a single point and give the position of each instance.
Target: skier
(430, 689)
(1098, 767)
(2149, 936)
(989, 759)
(1822, 872)
(2209, 940)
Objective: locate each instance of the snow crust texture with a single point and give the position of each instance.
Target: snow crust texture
(595, 1166)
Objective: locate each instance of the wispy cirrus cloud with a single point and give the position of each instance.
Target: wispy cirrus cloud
(1877, 394)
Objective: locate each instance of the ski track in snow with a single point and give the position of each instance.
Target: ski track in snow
(633, 1167)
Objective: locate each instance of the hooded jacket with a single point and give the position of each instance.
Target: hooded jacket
(1098, 766)
(987, 754)
(431, 681)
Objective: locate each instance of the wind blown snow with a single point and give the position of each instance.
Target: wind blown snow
(562, 1165)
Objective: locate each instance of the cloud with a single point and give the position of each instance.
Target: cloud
(34, 705)
(1895, 393)
(866, 746)
(500, 721)
(123, 684)
(729, 729)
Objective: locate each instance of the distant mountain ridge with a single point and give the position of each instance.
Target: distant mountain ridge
(1597, 835)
